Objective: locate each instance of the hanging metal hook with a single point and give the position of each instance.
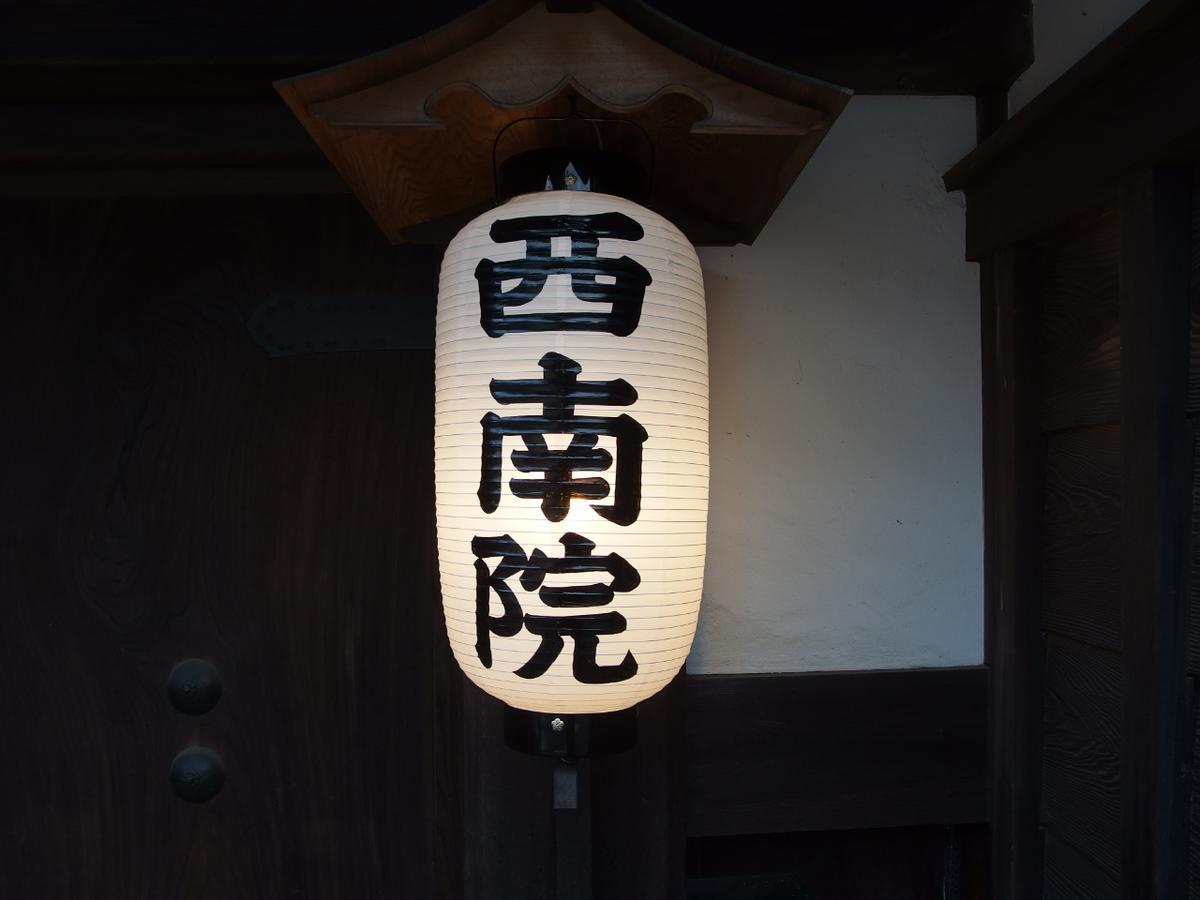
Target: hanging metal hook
(575, 115)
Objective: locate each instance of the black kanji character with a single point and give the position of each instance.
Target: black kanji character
(625, 292)
(559, 391)
(584, 630)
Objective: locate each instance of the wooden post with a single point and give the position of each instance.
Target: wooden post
(1012, 500)
(1156, 467)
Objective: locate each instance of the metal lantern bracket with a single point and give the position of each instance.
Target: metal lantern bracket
(570, 736)
(633, 180)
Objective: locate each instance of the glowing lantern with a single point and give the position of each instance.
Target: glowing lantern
(571, 450)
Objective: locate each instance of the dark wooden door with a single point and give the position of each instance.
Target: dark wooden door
(184, 478)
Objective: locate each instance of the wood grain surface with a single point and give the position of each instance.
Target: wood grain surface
(1081, 558)
(1014, 456)
(415, 130)
(1156, 253)
(1072, 876)
(1079, 334)
(1081, 791)
(171, 493)
(1193, 409)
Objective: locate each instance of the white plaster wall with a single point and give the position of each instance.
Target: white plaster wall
(846, 503)
(1063, 32)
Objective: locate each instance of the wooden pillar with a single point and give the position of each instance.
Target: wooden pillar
(1156, 473)
(1012, 499)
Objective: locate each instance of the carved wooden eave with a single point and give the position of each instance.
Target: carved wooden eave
(413, 130)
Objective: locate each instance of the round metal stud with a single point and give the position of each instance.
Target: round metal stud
(197, 774)
(194, 686)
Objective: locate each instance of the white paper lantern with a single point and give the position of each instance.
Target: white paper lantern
(571, 450)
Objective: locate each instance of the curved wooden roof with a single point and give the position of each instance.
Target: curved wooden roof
(413, 130)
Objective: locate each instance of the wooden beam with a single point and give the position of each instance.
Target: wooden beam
(173, 181)
(1128, 103)
(875, 46)
(134, 100)
(143, 30)
(124, 80)
(153, 134)
(160, 147)
(832, 750)
(1157, 448)
(1013, 459)
(943, 861)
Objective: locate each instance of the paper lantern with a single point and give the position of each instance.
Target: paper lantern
(571, 450)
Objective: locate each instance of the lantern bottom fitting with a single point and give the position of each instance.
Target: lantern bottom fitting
(570, 736)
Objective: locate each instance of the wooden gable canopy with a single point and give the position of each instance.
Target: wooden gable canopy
(415, 131)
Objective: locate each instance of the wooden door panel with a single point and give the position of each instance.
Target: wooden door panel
(272, 515)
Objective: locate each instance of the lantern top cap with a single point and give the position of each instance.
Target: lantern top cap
(419, 131)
